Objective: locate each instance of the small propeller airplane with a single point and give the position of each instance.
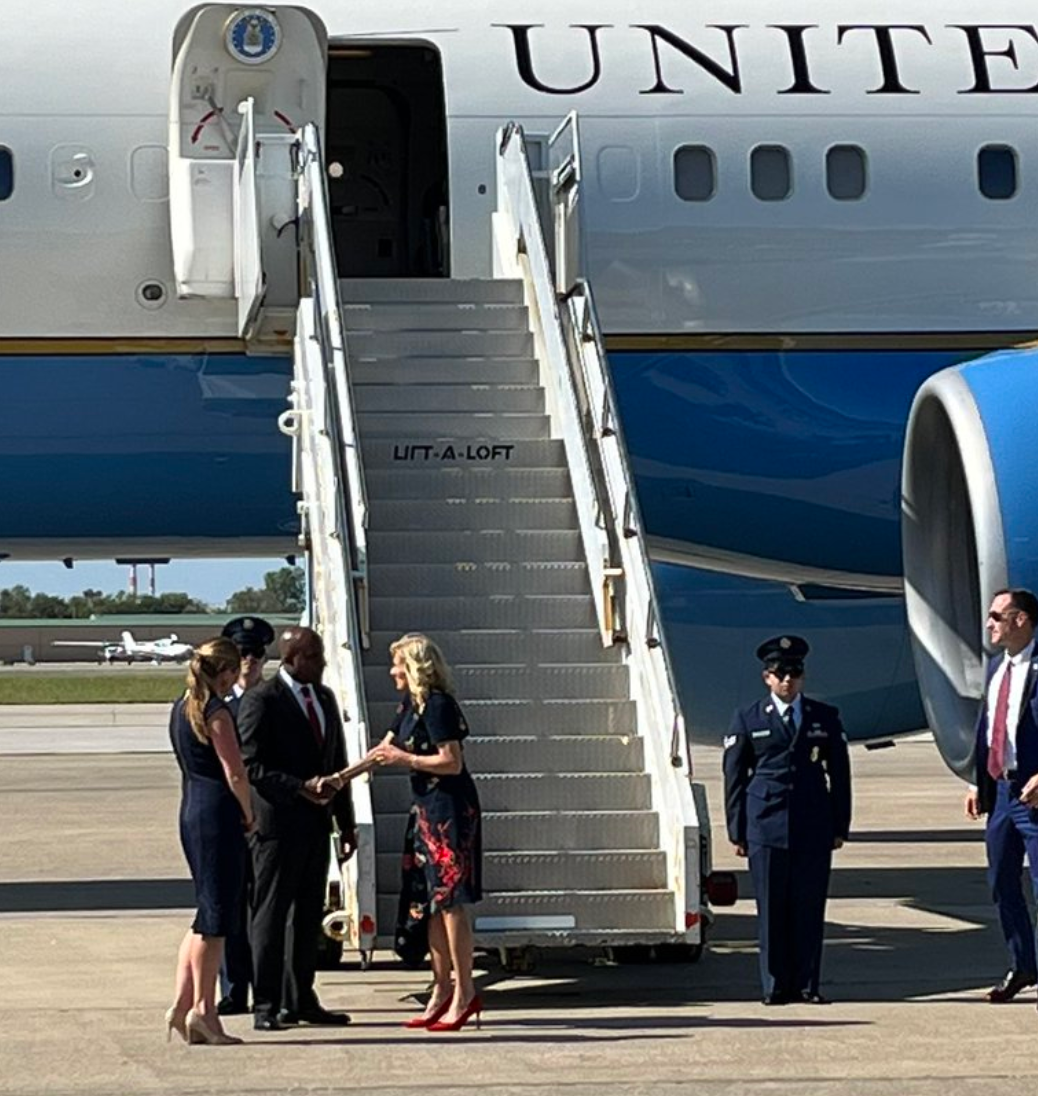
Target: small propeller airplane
(165, 649)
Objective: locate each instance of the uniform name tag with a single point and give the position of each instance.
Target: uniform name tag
(816, 732)
(761, 734)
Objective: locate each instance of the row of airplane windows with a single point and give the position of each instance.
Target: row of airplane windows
(771, 172)
(846, 172)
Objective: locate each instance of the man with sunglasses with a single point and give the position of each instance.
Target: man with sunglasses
(1006, 788)
(788, 805)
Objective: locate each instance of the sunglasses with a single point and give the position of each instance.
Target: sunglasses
(1000, 618)
(795, 670)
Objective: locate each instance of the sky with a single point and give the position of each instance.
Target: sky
(211, 580)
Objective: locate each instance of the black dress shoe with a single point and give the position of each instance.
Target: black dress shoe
(812, 997)
(228, 1006)
(318, 1016)
(267, 1023)
(1010, 986)
(775, 999)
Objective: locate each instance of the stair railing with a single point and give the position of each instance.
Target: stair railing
(329, 476)
(582, 404)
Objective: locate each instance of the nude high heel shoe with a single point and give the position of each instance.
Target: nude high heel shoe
(198, 1031)
(175, 1023)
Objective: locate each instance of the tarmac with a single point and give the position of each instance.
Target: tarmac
(93, 897)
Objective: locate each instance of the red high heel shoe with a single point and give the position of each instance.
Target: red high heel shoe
(473, 1008)
(426, 1021)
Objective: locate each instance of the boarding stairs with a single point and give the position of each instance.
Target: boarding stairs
(473, 537)
(462, 473)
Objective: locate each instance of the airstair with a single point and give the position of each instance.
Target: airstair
(461, 471)
(485, 498)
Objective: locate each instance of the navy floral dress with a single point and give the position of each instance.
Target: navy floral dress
(442, 863)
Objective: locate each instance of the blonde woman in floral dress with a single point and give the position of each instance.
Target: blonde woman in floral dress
(442, 865)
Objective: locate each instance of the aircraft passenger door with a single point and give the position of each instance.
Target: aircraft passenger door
(245, 80)
(386, 153)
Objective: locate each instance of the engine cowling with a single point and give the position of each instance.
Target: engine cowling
(969, 524)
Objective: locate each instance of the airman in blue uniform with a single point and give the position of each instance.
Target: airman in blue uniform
(252, 636)
(788, 805)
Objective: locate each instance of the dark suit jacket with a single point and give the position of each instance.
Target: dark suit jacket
(1026, 736)
(787, 791)
(281, 754)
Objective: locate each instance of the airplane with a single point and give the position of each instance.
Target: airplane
(165, 649)
(806, 232)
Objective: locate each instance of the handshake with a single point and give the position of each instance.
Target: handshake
(321, 790)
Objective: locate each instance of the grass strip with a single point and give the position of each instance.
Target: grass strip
(87, 688)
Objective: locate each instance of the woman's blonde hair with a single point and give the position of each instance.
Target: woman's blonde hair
(424, 665)
(210, 659)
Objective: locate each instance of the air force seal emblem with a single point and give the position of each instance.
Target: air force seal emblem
(253, 36)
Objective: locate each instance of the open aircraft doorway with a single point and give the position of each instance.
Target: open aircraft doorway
(386, 147)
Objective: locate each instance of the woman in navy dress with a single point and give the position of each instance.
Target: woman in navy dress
(442, 866)
(215, 816)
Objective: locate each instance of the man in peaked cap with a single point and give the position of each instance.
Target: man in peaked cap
(252, 636)
(788, 805)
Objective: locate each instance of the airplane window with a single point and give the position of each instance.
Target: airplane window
(996, 171)
(771, 173)
(695, 173)
(6, 173)
(845, 172)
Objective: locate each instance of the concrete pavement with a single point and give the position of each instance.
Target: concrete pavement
(92, 886)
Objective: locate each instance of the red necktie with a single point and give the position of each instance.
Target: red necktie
(1000, 728)
(311, 714)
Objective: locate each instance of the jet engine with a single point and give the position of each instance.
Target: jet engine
(969, 526)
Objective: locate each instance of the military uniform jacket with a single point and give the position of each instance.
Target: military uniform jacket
(1026, 738)
(281, 754)
(784, 790)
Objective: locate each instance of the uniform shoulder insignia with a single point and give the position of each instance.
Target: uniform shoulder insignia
(730, 740)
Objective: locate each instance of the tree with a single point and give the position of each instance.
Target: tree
(16, 602)
(284, 591)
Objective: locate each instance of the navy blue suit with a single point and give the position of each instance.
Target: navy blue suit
(787, 799)
(1012, 828)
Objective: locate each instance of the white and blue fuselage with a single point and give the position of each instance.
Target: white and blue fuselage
(790, 222)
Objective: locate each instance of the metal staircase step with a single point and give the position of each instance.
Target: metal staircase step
(548, 831)
(525, 647)
(455, 428)
(584, 910)
(454, 545)
(584, 870)
(429, 370)
(451, 398)
(565, 682)
(434, 316)
(470, 579)
(535, 791)
(409, 290)
(528, 717)
(504, 611)
(400, 451)
(556, 754)
(443, 514)
(439, 344)
(467, 481)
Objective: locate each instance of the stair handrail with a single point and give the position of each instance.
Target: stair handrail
(331, 479)
(583, 407)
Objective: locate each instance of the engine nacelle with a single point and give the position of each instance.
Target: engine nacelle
(969, 527)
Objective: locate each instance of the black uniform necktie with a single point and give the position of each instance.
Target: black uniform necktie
(790, 721)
